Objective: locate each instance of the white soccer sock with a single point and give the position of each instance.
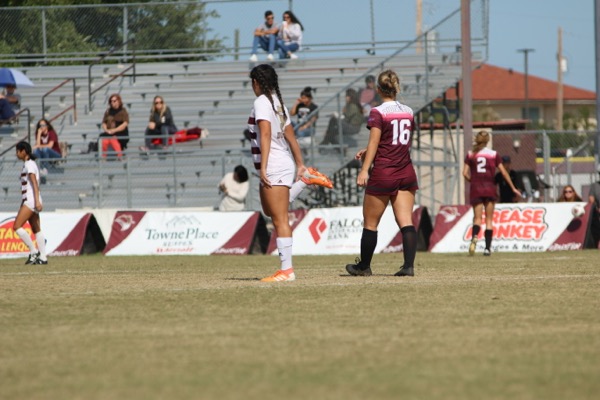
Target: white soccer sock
(296, 189)
(41, 244)
(284, 246)
(26, 239)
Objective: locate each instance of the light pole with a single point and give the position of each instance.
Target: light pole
(526, 53)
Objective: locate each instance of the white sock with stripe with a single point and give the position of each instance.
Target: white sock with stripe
(26, 239)
(284, 247)
(41, 244)
(296, 189)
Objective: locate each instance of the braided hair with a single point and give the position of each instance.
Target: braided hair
(27, 147)
(267, 80)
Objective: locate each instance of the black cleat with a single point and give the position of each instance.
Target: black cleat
(404, 271)
(357, 269)
(487, 252)
(32, 259)
(39, 261)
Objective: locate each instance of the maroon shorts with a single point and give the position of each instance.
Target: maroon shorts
(480, 200)
(386, 185)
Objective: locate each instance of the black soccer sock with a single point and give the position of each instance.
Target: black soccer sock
(409, 245)
(368, 242)
(488, 238)
(476, 229)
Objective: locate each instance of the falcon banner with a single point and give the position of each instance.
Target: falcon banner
(338, 231)
(181, 232)
(518, 227)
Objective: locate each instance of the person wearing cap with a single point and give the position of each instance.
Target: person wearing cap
(506, 194)
(594, 199)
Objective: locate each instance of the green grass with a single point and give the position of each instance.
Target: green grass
(512, 326)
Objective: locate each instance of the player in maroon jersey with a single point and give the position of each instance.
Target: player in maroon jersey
(392, 178)
(480, 170)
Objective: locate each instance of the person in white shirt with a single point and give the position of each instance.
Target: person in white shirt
(31, 206)
(276, 155)
(234, 188)
(290, 36)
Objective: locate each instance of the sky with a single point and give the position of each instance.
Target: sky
(513, 25)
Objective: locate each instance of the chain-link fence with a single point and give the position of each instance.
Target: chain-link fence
(546, 161)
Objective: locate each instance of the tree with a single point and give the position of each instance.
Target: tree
(162, 26)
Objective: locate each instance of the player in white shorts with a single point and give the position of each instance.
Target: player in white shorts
(31, 205)
(276, 155)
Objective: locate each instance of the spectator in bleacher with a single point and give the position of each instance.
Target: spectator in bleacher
(368, 96)
(290, 36)
(6, 112)
(569, 194)
(265, 36)
(234, 188)
(115, 131)
(594, 200)
(160, 125)
(351, 120)
(12, 97)
(46, 143)
(302, 107)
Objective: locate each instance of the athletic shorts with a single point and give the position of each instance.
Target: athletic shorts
(379, 185)
(483, 200)
(29, 203)
(281, 172)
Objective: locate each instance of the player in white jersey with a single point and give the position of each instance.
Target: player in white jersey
(31, 205)
(276, 154)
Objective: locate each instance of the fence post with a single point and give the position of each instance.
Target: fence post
(128, 170)
(546, 153)
(44, 38)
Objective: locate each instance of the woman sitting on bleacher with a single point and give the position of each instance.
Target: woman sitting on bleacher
(46, 143)
(160, 125)
(351, 120)
(115, 131)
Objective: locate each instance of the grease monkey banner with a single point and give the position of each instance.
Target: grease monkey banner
(519, 227)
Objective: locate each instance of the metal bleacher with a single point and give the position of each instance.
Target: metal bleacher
(215, 95)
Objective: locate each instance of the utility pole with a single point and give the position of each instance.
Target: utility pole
(526, 53)
(419, 25)
(467, 87)
(597, 44)
(559, 94)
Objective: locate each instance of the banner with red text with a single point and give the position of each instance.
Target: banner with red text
(181, 232)
(519, 227)
(339, 230)
(64, 233)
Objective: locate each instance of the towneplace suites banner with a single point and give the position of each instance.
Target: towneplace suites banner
(519, 227)
(338, 231)
(182, 232)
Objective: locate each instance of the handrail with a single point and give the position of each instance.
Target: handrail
(14, 117)
(113, 50)
(71, 107)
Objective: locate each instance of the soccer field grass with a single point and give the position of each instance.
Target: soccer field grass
(510, 326)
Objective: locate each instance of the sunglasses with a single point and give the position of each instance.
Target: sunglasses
(43, 125)
(158, 102)
(568, 191)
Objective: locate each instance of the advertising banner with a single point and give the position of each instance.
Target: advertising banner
(518, 227)
(65, 234)
(338, 231)
(181, 232)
